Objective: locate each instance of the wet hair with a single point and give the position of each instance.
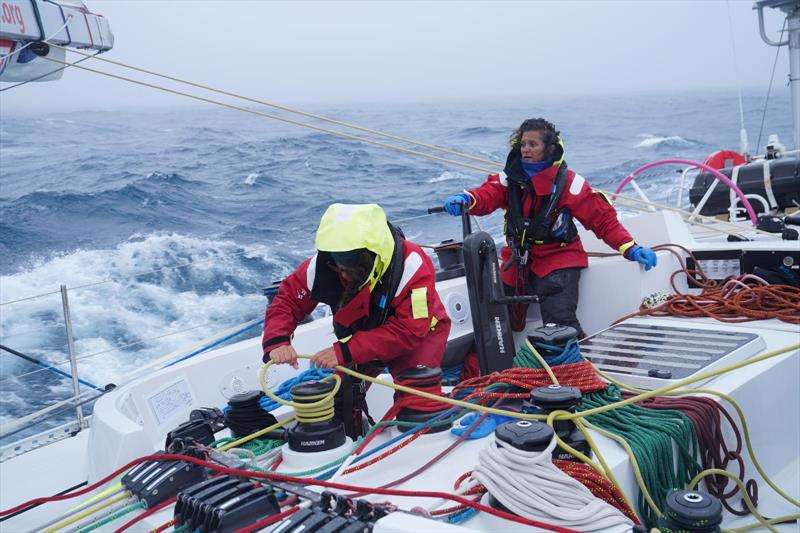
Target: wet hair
(549, 132)
(361, 269)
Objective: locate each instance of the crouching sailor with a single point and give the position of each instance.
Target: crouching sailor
(381, 289)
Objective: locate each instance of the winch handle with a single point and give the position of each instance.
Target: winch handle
(466, 223)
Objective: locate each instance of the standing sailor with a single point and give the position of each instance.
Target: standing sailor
(381, 289)
(541, 195)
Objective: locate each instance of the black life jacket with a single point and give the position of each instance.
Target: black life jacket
(327, 287)
(524, 230)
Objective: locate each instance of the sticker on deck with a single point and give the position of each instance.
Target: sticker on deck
(171, 400)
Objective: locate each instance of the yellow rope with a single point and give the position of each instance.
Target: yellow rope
(495, 164)
(273, 117)
(686, 381)
(742, 420)
(282, 107)
(579, 423)
(752, 508)
(777, 520)
(113, 488)
(307, 412)
(237, 443)
(87, 512)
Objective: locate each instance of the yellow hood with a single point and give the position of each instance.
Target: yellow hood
(346, 227)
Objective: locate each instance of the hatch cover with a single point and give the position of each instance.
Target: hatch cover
(653, 356)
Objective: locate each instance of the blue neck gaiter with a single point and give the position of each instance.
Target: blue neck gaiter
(531, 169)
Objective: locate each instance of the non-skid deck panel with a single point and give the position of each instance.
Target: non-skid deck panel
(663, 352)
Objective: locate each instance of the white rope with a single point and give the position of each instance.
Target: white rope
(530, 485)
(21, 48)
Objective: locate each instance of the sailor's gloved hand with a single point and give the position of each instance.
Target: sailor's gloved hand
(484, 428)
(453, 204)
(643, 255)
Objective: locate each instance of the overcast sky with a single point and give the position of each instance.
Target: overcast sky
(329, 52)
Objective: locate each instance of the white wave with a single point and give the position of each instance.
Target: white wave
(448, 176)
(649, 140)
(127, 309)
(251, 178)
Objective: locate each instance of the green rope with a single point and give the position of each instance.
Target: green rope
(526, 359)
(257, 446)
(653, 435)
(181, 529)
(112, 517)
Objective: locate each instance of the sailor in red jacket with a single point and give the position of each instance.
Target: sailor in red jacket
(541, 196)
(381, 288)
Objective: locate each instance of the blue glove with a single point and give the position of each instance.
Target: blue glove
(643, 255)
(484, 428)
(453, 204)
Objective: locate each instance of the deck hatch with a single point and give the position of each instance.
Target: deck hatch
(656, 355)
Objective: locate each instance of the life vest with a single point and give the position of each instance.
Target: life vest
(523, 231)
(327, 287)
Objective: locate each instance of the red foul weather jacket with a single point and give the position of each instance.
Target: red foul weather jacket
(415, 332)
(590, 208)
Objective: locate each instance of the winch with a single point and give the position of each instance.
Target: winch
(420, 377)
(525, 435)
(692, 511)
(245, 415)
(557, 398)
(322, 432)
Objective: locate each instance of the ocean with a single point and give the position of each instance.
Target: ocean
(166, 223)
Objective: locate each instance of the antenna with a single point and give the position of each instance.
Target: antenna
(743, 144)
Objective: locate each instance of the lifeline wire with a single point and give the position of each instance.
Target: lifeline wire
(495, 164)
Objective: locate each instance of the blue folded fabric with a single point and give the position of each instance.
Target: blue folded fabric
(486, 427)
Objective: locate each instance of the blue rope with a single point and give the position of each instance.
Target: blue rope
(284, 391)
(462, 516)
(213, 344)
(372, 451)
(452, 376)
(570, 353)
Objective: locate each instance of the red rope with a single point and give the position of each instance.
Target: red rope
(163, 527)
(580, 375)
(290, 479)
(598, 485)
(145, 514)
(268, 521)
(706, 417)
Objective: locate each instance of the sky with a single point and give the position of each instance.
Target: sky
(304, 52)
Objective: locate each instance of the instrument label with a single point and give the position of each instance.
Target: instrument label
(171, 400)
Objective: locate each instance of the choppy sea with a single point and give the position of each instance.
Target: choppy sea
(165, 224)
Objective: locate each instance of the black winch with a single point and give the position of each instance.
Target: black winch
(245, 414)
(309, 437)
(525, 435)
(691, 511)
(553, 335)
(451, 260)
(421, 376)
(557, 398)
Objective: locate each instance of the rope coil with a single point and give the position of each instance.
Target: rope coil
(530, 485)
(309, 409)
